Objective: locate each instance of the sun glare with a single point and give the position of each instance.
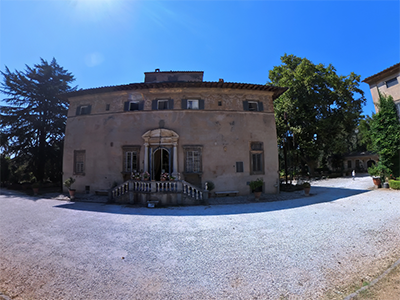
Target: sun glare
(95, 10)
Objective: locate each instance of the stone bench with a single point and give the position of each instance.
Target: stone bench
(226, 193)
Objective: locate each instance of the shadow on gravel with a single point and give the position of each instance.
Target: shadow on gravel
(318, 195)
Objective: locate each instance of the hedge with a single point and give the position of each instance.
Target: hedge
(394, 184)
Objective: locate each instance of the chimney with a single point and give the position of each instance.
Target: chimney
(220, 80)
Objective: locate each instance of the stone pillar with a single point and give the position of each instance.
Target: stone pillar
(175, 162)
(146, 158)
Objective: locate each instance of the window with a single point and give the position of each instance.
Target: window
(163, 104)
(133, 105)
(192, 104)
(107, 106)
(193, 160)
(83, 110)
(391, 82)
(79, 162)
(239, 167)
(256, 158)
(253, 106)
(131, 158)
(349, 164)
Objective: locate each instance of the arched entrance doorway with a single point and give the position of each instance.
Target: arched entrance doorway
(160, 152)
(161, 162)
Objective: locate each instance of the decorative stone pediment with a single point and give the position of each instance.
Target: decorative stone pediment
(160, 136)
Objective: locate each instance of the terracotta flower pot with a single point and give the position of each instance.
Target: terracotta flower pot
(377, 181)
(257, 195)
(72, 194)
(307, 191)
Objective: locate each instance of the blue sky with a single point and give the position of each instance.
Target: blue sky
(112, 42)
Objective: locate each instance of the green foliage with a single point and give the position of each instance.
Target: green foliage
(322, 108)
(5, 168)
(379, 170)
(256, 185)
(385, 135)
(68, 182)
(394, 184)
(210, 185)
(33, 121)
(306, 185)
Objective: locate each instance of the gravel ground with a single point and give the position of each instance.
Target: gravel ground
(307, 248)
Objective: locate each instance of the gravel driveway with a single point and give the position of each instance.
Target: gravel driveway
(306, 248)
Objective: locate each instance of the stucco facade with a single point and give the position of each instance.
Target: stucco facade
(386, 82)
(176, 123)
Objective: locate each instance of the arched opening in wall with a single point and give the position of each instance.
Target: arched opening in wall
(370, 163)
(161, 163)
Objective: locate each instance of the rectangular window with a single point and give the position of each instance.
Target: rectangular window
(256, 158)
(79, 162)
(130, 158)
(193, 160)
(192, 104)
(107, 106)
(253, 106)
(83, 110)
(349, 164)
(391, 82)
(239, 167)
(134, 105)
(162, 104)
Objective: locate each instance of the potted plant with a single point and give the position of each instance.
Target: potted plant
(146, 175)
(377, 172)
(256, 187)
(164, 176)
(35, 188)
(209, 187)
(68, 183)
(307, 188)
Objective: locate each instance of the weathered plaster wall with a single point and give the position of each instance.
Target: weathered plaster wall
(225, 132)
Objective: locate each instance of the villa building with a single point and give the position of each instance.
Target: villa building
(173, 124)
(386, 82)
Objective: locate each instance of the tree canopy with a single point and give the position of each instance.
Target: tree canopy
(33, 123)
(384, 135)
(322, 108)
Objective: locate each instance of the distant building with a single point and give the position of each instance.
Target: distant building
(173, 123)
(388, 83)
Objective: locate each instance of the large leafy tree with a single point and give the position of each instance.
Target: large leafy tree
(322, 109)
(385, 135)
(33, 121)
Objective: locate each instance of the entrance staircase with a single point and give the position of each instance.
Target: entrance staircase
(163, 193)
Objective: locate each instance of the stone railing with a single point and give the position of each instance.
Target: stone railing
(152, 187)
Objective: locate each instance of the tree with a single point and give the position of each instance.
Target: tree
(322, 109)
(385, 135)
(33, 123)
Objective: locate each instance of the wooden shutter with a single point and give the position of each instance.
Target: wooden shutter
(201, 104)
(171, 104)
(78, 110)
(260, 106)
(154, 105)
(246, 105)
(184, 104)
(141, 105)
(126, 106)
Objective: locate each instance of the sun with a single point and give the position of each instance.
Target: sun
(95, 10)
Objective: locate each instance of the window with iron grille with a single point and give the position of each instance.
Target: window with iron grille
(193, 160)
(79, 162)
(256, 158)
(131, 158)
